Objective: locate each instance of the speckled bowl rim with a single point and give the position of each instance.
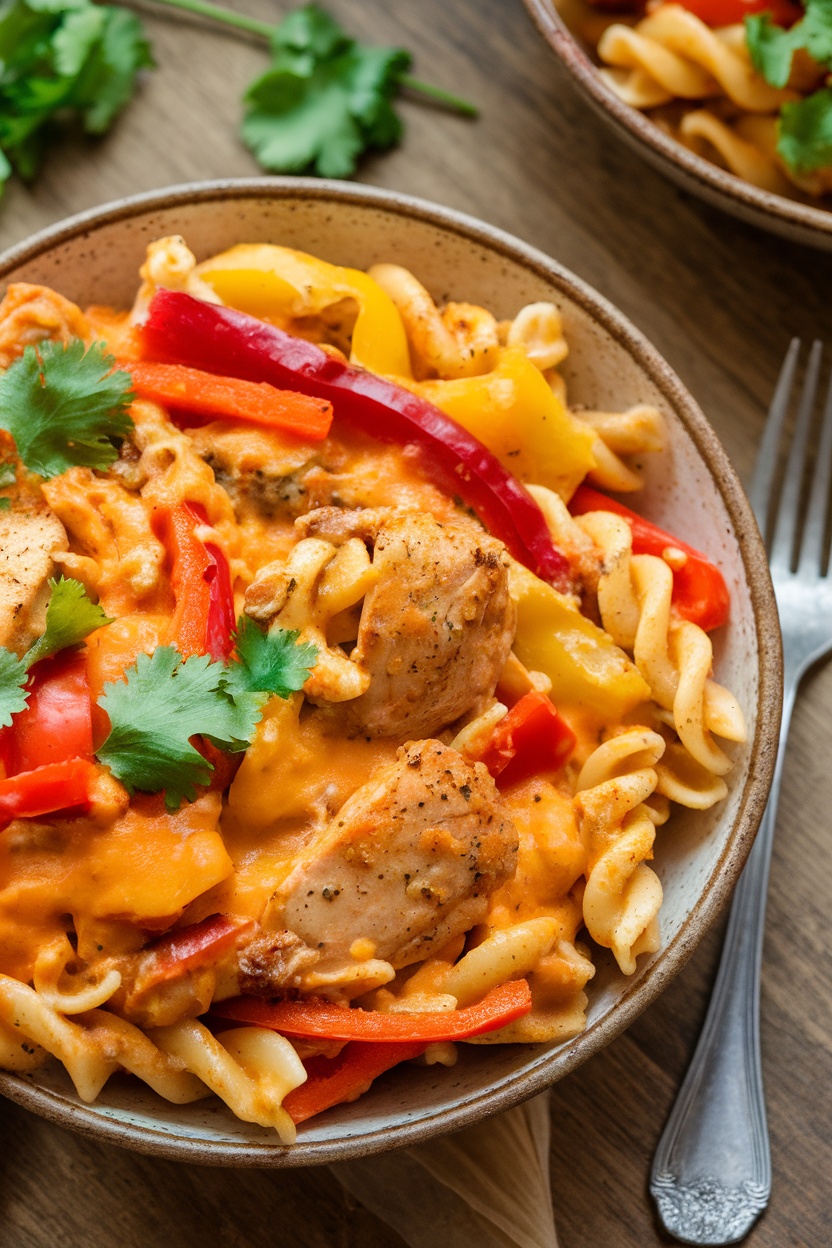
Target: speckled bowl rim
(791, 218)
(669, 961)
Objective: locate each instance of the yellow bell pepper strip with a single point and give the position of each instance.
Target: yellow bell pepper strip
(514, 411)
(337, 1080)
(279, 284)
(699, 590)
(584, 664)
(321, 1019)
(256, 403)
(185, 330)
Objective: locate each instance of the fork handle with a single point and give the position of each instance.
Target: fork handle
(711, 1176)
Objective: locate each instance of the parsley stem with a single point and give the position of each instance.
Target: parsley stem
(219, 14)
(437, 93)
(229, 18)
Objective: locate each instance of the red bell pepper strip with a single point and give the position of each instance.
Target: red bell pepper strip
(45, 790)
(203, 619)
(257, 403)
(531, 739)
(729, 12)
(336, 1080)
(185, 330)
(57, 722)
(187, 948)
(337, 1022)
(699, 590)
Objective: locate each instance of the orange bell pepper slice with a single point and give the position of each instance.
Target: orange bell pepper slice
(319, 1018)
(336, 1080)
(256, 402)
(203, 618)
(45, 790)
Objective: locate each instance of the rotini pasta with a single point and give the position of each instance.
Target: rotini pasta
(434, 754)
(711, 89)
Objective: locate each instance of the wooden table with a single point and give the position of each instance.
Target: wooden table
(720, 300)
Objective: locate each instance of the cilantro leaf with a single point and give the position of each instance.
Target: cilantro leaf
(64, 406)
(772, 47)
(70, 617)
(270, 663)
(8, 477)
(805, 132)
(325, 99)
(162, 702)
(60, 58)
(13, 696)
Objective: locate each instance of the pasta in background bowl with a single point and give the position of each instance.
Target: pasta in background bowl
(689, 489)
(719, 142)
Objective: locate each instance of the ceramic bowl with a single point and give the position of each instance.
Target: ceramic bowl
(692, 490)
(791, 218)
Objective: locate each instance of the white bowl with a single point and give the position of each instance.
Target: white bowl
(791, 218)
(691, 490)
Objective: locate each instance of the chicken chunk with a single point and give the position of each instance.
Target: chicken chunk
(256, 467)
(29, 539)
(408, 863)
(30, 314)
(436, 628)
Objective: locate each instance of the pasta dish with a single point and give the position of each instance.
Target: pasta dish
(341, 699)
(741, 82)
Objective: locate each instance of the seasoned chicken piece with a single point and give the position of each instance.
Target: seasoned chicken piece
(409, 862)
(29, 539)
(30, 314)
(256, 466)
(436, 628)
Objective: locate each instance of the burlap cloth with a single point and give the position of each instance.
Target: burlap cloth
(484, 1187)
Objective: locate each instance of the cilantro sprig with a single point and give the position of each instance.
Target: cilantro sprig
(325, 98)
(165, 700)
(58, 59)
(70, 617)
(65, 406)
(805, 127)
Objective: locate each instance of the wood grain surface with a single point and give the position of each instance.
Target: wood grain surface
(720, 300)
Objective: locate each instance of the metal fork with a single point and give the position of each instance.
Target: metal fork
(711, 1175)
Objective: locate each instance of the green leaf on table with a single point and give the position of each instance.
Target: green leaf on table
(59, 59)
(65, 406)
(325, 99)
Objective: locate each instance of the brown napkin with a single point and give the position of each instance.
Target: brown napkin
(484, 1187)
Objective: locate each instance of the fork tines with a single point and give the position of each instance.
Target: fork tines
(793, 498)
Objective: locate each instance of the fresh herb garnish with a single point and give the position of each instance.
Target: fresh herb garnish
(160, 704)
(8, 476)
(805, 126)
(62, 58)
(163, 701)
(70, 617)
(64, 406)
(326, 98)
(270, 663)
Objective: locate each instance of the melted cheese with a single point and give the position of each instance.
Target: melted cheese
(144, 867)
